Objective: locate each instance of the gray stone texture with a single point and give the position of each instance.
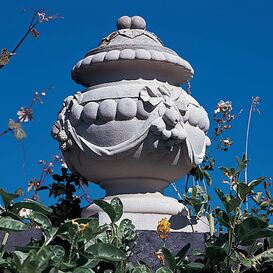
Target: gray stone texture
(133, 130)
(21, 239)
(148, 243)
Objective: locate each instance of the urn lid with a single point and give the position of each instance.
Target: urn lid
(131, 52)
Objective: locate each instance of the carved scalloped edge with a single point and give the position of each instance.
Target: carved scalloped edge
(133, 54)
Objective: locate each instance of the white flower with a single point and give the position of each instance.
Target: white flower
(25, 213)
(223, 107)
(25, 114)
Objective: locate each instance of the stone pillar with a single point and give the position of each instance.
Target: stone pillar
(133, 130)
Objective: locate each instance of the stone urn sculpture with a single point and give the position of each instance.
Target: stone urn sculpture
(133, 130)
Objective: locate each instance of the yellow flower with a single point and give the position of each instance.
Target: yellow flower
(84, 227)
(163, 228)
(160, 256)
(74, 222)
(81, 227)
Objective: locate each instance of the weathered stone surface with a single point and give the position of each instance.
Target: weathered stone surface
(21, 239)
(148, 243)
(90, 111)
(134, 130)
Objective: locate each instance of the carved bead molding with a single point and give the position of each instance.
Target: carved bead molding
(170, 115)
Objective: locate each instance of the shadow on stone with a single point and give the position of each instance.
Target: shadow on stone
(21, 239)
(180, 221)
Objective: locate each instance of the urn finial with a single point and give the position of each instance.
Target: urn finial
(131, 52)
(135, 22)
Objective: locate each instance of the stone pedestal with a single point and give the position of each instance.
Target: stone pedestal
(148, 243)
(140, 209)
(21, 239)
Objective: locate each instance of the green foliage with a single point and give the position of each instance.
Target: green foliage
(239, 247)
(74, 244)
(85, 245)
(64, 187)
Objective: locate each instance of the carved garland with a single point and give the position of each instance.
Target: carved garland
(165, 122)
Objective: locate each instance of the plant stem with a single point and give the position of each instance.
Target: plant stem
(4, 242)
(6, 131)
(87, 197)
(247, 138)
(177, 191)
(30, 28)
(247, 144)
(72, 247)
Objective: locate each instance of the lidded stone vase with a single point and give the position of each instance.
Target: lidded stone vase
(133, 130)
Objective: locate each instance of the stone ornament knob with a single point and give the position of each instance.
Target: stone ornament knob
(135, 22)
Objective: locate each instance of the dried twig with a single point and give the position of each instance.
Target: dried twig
(38, 17)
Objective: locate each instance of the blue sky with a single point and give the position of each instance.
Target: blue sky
(228, 43)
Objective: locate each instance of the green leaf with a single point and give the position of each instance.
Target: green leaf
(58, 255)
(193, 267)
(256, 182)
(106, 252)
(118, 208)
(267, 257)
(41, 220)
(169, 258)
(164, 270)
(253, 228)
(182, 253)
(222, 197)
(247, 263)
(216, 254)
(211, 223)
(142, 269)
(233, 204)
(257, 197)
(93, 228)
(222, 217)
(207, 177)
(241, 164)
(126, 230)
(18, 259)
(37, 262)
(106, 207)
(9, 224)
(12, 215)
(227, 172)
(83, 269)
(243, 190)
(9, 197)
(31, 204)
(5, 264)
(67, 266)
